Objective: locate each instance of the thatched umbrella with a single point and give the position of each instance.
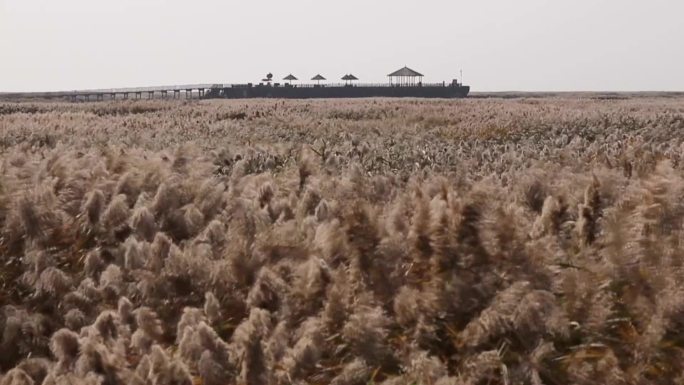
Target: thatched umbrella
(318, 78)
(349, 78)
(290, 78)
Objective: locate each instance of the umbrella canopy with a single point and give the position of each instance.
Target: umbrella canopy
(349, 78)
(290, 77)
(318, 77)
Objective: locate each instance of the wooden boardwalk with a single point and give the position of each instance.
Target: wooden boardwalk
(174, 92)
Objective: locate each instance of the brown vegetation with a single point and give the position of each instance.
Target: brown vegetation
(537, 241)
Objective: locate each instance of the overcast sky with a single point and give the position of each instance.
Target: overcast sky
(621, 45)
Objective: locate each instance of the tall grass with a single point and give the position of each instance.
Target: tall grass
(346, 242)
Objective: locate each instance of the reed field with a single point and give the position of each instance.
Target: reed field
(346, 242)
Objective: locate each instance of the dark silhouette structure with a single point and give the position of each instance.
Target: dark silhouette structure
(438, 90)
(404, 82)
(268, 78)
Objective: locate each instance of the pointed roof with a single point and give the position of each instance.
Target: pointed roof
(290, 77)
(345, 77)
(352, 77)
(318, 77)
(405, 72)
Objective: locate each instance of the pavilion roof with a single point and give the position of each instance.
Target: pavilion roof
(405, 72)
(318, 77)
(290, 77)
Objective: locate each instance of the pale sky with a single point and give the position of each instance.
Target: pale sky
(526, 45)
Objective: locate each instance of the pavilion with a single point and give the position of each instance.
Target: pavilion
(405, 77)
(290, 78)
(318, 79)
